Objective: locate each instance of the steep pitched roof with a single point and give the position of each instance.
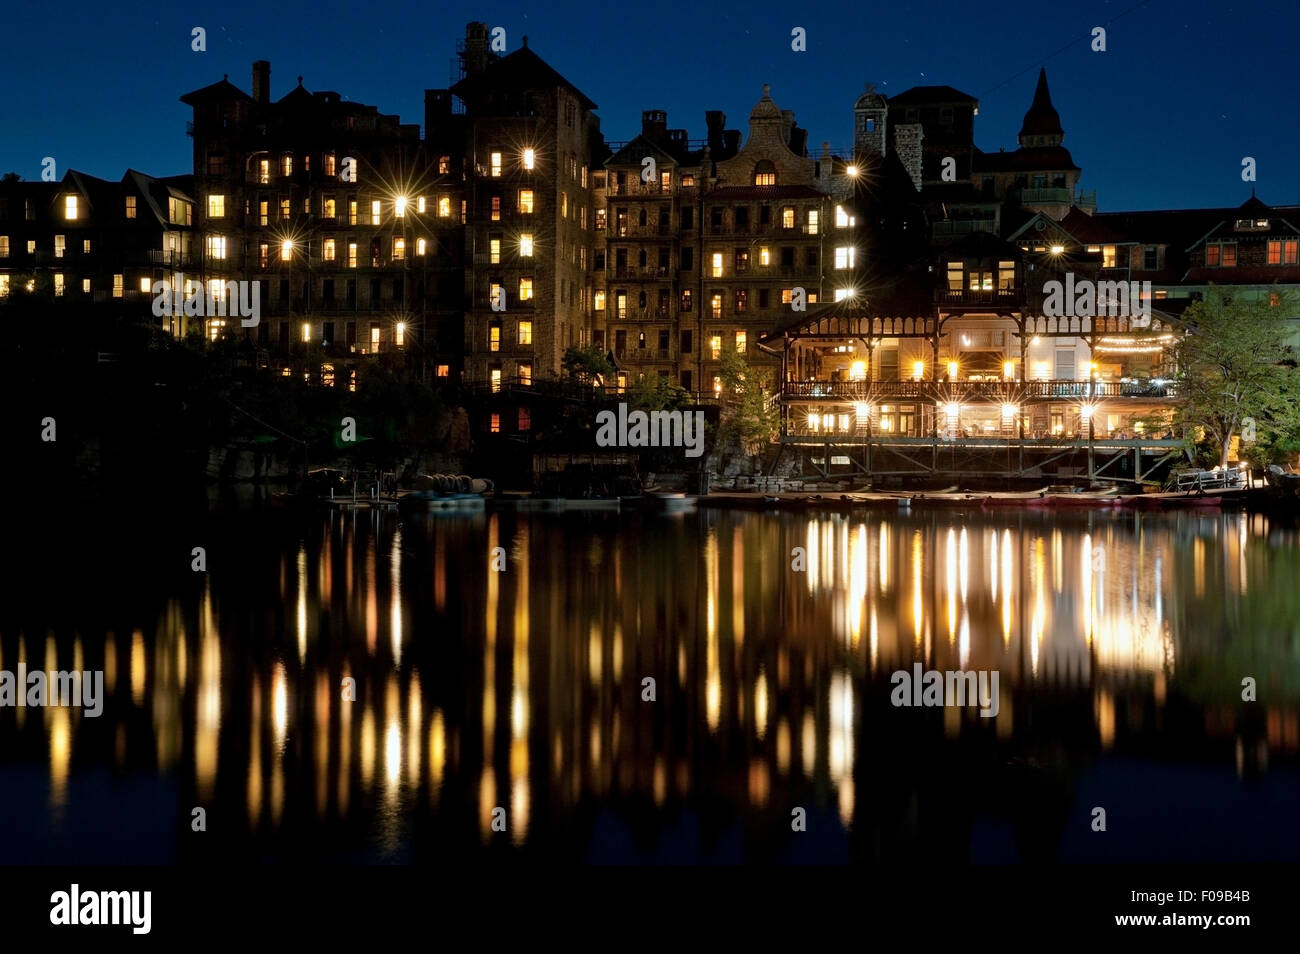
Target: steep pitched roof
(1025, 158)
(522, 69)
(218, 91)
(930, 95)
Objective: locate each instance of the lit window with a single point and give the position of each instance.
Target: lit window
(85, 247)
(263, 254)
(814, 221)
(130, 206)
(584, 177)
(400, 334)
(60, 245)
(530, 158)
(4, 285)
(564, 205)
(374, 212)
(284, 208)
(421, 246)
(399, 206)
(70, 207)
(58, 283)
(526, 201)
(306, 331)
(264, 212)
(787, 296)
(286, 164)
(496, 293)
(525, 373)
(764, 178)
(374, 337)
(444, 206)
(787, 217)
(496, 208)
(840, 294)
(525, 291)
(399, 249)
(525, 418)
(844, 256)
(146, 284)
(526, 244)
(599, 301)
(525, 327)
(494, 338)
(328, 206)
(4, 289)
(741, 339)
(4, 246)
(286, 251)
(216, 246)
(31, 246)
(264, 171)
(329, 164)
(327, 250)
(495, 162)
(716, 305)
(352, 255)
(1229, 254)
(494, 250)
(715, 346)
(841, 217)
(1108, 256)
(444, 371)
(495, 376)
(216, 206)
(495, 425)
(118, 282)
(352, 212)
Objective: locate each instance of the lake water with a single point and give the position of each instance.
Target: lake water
(1120, 642)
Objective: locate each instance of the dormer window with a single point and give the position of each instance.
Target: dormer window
(765, 173)
(1251, 225)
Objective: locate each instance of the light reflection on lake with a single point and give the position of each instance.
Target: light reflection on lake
(515, 699)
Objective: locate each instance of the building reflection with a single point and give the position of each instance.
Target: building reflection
(527, 691)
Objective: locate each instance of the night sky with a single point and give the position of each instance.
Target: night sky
(1162, 119)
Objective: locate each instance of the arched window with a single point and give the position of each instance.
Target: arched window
(765, 173)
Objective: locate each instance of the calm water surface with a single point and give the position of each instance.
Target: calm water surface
(1121, 642)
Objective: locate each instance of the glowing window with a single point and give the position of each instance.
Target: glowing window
(526, 244)
(526, 294)
(70, 207)
(599, 301)
(495, 161)
(494, 250)
(352, 255)
(130, 206)
(741, 340)
(530, 158)
(715, 346)
(525, 328)
(717, 264)
(399, 249)
(286, 251)
(374, 212)
(399, 206)
(327, 250)
(444, 207)
(526, 201)
(216, 246)
(216, 206)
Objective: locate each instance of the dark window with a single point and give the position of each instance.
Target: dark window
(374, 290)
(327, 333)
(742, 219)
(715, 221)
(686, 380)
(688, 218)
(327, 289)
(686, 342)
(398, 288)
(811, 257)
(352, 292)
(1149, 258)
(787, 257)
(762, 298)
(598, 261)
(641, 219)
(688, 259)
(764, 214)
(216, 165)
(284, 290)
(350, 331)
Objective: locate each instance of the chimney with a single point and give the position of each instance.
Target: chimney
(731, 141)
(476, 48)
(654, 123)
(262, 81)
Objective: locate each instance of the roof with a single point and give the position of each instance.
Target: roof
(219, 91)
(1026, 158)
(931, 95)
(523, 69)
(981, 245)
(1042, 118)
(1089, 231)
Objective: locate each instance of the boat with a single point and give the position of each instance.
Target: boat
(1085, 500)
(591, 503)
(429, 501)
(1034, 499)
(672, 502)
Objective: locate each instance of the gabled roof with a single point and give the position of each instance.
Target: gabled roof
(296, 97)
(218, 91)
(637, 149)
(981, 245)
(521, 70)
(930, 95)
(1089, 231)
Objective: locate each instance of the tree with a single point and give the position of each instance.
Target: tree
(749, 416)
(1235, 377)
(587, 364)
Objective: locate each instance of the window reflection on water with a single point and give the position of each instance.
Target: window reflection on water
(477, 691)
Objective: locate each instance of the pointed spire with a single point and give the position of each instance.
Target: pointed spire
(1042, 125)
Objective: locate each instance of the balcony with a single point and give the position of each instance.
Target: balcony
(1053, 196)
(953, 227)
(993, 392)
(1005, 297)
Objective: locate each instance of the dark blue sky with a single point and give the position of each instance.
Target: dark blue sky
(1161, 120)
